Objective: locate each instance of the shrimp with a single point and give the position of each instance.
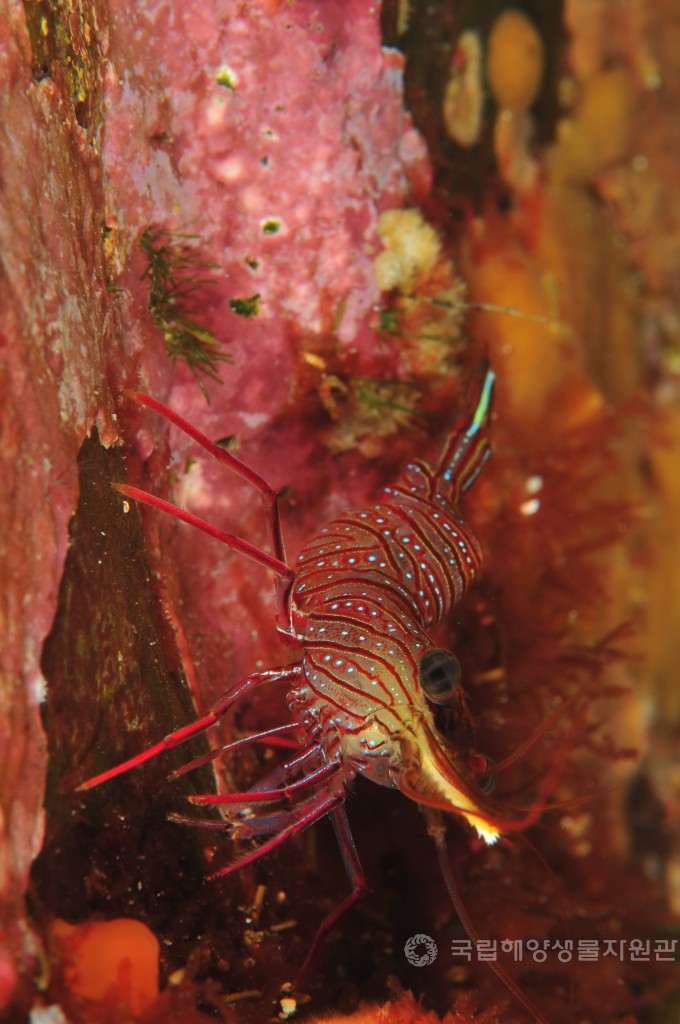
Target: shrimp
(359, 608)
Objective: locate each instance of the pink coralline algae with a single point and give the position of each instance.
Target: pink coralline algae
(282, 171)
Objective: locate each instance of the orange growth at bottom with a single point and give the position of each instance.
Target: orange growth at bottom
(112, 962)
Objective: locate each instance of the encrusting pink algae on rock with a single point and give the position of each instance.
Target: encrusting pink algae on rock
(57, 345)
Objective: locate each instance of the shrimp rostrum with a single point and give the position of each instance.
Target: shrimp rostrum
(359, 607)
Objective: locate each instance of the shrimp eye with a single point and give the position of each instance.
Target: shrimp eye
(439, 674)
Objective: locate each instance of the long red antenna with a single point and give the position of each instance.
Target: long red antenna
(465, 920)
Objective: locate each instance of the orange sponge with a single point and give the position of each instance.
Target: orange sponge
(112, 962)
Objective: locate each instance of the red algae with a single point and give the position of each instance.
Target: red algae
(403, 1009)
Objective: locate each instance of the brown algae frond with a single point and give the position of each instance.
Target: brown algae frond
(176, 271)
